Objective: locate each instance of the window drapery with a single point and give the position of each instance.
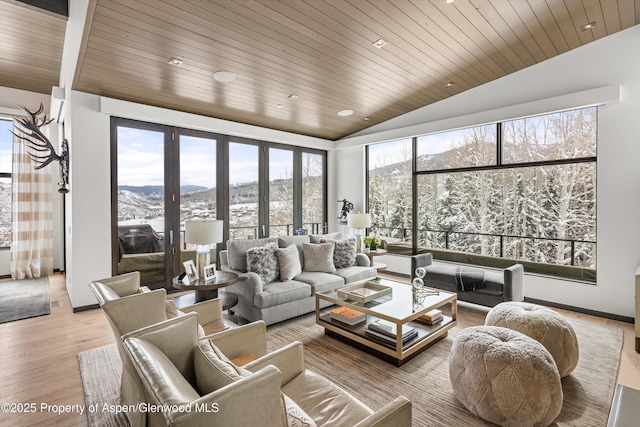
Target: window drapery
(32, 223)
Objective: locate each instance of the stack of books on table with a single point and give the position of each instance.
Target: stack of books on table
(387, 331)
(348, 316)
(432, 317)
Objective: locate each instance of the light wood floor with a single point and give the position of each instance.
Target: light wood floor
(39, 358)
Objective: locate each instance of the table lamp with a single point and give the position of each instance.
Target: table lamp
(203, 232)
(359, 221)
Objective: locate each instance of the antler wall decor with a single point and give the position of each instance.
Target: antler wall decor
(39, 148)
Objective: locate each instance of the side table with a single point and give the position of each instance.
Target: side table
(206, 290)
(378, 265)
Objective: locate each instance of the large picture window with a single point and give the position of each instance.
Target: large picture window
(523, 190)
(6, 150)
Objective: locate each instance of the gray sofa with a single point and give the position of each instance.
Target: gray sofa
(280, 300)
(493, 287)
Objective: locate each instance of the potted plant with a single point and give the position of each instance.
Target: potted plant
(371, 243)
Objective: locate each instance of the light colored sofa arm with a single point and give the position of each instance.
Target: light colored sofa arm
(246, 339)
(209, 313)
(288, 359)
(260, 391)
(396, 413)
(362, 260)
(116, 287)
(514, 283)
(249, 283)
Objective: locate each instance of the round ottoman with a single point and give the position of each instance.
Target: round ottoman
(546, 326)
(505, 377)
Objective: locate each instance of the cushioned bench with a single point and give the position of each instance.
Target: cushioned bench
(491, 287)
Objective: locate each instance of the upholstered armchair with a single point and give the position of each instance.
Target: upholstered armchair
(180, 373)
(129, 307)
(175, 375)
(320, 399)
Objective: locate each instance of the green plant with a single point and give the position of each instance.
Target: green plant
(372, 242)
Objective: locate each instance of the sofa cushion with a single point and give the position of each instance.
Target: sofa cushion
(285, 241)
(237, 251)
(289, 262)
(326, 403)
(319, 257)
(263, 261)
(280, 293)
(213, 369)
(344, 252)
(319, 281)
(315, 238)
(356, 273)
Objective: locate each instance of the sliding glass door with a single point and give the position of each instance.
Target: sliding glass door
(140, 203)
(163, 175)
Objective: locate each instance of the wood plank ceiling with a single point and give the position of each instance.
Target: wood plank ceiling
(321, 51)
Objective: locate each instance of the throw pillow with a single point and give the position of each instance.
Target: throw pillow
(319, 257)
(213, 369)
(296, 417)
(262, 260)
(344, 254)
(289, 262)
(237, 251)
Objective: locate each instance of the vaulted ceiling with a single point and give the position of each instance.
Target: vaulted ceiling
(322, 52)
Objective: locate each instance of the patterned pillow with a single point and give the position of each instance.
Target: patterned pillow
(262, 260)
(344, 253)
(296, 417)
(319, 257)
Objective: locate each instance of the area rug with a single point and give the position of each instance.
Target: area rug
(101, 369)
(424, 380)
(21, 299)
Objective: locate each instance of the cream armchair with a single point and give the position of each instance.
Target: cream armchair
(323, 401)
(129, 307)
(173, 370)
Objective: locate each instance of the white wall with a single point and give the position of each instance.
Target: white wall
(605, 63)
(346, 172)
(10, 100)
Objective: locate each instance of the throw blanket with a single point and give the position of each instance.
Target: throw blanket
(469, 278)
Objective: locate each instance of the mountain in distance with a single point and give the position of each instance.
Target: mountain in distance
(158, 190)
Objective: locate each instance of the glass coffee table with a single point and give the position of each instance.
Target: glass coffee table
(399, 307)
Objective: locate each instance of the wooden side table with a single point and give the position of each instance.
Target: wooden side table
(206, 290)
(378, 265)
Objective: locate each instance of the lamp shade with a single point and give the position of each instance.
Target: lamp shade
(203, 231)
(359, 220)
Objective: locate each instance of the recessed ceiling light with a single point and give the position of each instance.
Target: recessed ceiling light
(293, 96)
(379, 43)
(449, 84)
(175, 62)
(588, 26)
(224, 76)
(278, 105)
(449, 1)
(345, 113)
(366, 119)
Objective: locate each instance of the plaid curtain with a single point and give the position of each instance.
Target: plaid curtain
(32, 224)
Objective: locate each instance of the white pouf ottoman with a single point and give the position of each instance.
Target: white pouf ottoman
(546, 326)
(505, 377)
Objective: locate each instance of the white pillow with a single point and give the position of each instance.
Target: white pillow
(319, 257)
(289, 262)
(213, 369)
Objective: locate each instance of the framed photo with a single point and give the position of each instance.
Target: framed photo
(209, 272)
(191, 271)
